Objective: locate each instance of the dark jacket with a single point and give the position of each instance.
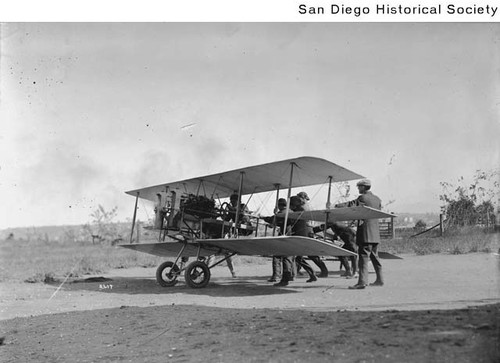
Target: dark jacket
(346, 234)
(300, 227)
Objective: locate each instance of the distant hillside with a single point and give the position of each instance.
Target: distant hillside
(78, 233)
(409, 219)
(59, 233)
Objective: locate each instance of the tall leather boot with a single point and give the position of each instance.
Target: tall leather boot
(321, 265)
(277, 268)
(285, 278)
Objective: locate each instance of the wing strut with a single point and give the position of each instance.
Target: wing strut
(288, 197)
(238, 207)
(133, 219)
(328, 205)
(276, 208)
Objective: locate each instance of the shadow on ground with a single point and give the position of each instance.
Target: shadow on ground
(218, 287)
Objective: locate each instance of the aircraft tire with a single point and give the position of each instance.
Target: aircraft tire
(167, 274)
(197, 275)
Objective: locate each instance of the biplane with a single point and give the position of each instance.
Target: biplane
(191, 225)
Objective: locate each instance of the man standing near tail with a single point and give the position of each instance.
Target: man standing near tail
(367, 236)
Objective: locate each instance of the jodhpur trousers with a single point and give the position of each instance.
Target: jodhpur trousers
(277, 268)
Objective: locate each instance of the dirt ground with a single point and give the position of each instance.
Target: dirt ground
(432, 308)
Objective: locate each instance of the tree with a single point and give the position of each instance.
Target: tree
(461, 212)
(486, 211)
(466, 205)
(102, 227)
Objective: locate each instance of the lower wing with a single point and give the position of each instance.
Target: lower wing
(256, 246)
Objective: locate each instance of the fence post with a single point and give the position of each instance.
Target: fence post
(441, 226)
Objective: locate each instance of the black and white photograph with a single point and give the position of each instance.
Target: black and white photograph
(250, 191)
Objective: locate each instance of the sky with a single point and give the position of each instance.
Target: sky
(91, 110)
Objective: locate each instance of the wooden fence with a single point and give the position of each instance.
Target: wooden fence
(386, 228)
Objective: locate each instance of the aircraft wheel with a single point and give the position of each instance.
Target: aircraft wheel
(167, 274)
(197, 275)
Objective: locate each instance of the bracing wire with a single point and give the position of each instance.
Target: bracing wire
(215, 188)
(145, 209)
(262, 202)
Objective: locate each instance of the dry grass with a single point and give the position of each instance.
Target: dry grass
(48, 261)
(43, 261)
(458, 241)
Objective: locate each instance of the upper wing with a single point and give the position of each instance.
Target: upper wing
(257, 179)
(258, 246)
(338, 214)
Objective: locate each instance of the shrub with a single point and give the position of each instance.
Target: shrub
(420, 225)
(467, 205)
(47, 277)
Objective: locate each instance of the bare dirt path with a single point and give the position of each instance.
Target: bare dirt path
(433, 308)
(414, 283)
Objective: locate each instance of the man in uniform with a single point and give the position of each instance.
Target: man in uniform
(286, 261)
(277, 260)
(301, 227)
(304, 198)
(367, 236)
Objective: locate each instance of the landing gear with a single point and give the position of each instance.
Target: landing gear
(197, 275)
(167, 274)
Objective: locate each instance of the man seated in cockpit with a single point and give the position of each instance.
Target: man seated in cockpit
(232, 207)
(243, 215)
